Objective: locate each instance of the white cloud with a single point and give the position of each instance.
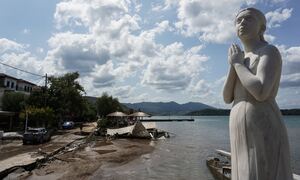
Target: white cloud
(115, 48)
(142, 97)
(160, 28)
(110, 43)
(104, 75)
(201, 89)
(269, 38)
(39, 50)
(7, 45)
(123, 92)
(291, 66)
(25, 61)
(17, 55)
(275, 18)
(290, 80)
(77, 52)
(174, 68)
(26, 31)
(82, 13)
(167, 4)
(289, 97)
(290, 59)
(277, 1)
(211, 21)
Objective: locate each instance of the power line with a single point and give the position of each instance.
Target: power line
(38, 80)
(20, 69)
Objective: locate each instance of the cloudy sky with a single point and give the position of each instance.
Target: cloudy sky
(172, 50)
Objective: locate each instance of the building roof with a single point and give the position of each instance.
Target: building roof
(5, 75)
(22, 80)
(19, 80)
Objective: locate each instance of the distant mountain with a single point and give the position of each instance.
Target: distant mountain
(210, 112)
(167, 108)
(226, 112)
(91, 99)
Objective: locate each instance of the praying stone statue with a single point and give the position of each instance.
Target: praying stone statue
(258, 136)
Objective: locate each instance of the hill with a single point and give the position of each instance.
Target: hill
(167, 108)
(226, 112)
(91, 99)
(210, 112)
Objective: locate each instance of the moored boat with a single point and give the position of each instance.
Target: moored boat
(220, 165)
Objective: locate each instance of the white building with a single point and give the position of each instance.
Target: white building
(9, 83)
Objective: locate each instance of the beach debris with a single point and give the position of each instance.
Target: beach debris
(145, 130)
(138, 130)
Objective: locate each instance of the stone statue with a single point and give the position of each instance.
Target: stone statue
(258, 136)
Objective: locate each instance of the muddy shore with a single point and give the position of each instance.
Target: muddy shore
(87, 161)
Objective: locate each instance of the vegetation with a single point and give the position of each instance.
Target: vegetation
(226, 112)
(13, 101)
(290, 112)
(89, 112)
(65, 96)
(2, 85)
(39, 117)
(107, 104)
(38, 98)
(104, 123)
(210, 112)
(63, 99)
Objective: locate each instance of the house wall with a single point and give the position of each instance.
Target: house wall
(10, 84)
(25, 87)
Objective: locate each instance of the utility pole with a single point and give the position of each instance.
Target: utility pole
(26, 121)
(45, 93)
(46, 81)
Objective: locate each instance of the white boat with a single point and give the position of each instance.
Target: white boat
(221, 167)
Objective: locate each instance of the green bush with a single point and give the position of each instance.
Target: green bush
(13, 101)
(105, 123)
(107, 104)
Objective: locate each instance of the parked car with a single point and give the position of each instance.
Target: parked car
(68, 125)
(36, 135)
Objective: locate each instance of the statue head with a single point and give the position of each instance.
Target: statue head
(251, 14)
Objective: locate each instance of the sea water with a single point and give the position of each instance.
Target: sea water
(183, 156)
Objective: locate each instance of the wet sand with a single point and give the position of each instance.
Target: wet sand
(87, 161)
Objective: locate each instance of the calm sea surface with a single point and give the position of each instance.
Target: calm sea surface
(183, 155)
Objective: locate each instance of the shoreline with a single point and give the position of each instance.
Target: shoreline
(87, 161)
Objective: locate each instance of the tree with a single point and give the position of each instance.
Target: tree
(107, 104)
(13, 101)
(90, 111)
(39, 117)
(65, 96)
(38, 98)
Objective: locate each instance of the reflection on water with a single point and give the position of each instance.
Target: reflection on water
(183, 155)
